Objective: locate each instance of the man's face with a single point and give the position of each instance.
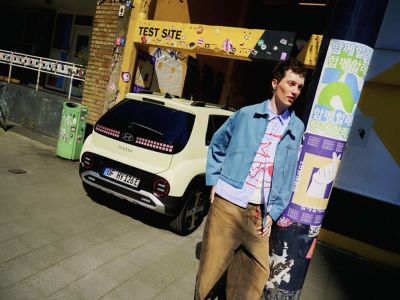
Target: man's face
(287, 89)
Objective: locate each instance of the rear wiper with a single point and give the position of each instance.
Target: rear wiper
(133, 124)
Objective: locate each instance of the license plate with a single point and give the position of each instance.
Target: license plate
(122, 177)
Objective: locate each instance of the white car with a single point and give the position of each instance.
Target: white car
(151, 150)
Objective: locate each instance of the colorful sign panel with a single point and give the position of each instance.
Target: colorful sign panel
(331, 117)
(316, 170)
(339, 89)
(238, 43)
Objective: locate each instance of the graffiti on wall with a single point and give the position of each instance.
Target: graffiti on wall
(144, 72)
(161, 70)
(170, 71)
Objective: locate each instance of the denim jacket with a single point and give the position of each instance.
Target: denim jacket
(235, 143)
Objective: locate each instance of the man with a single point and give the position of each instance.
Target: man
(250, 166)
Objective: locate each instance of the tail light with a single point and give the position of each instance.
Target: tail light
(160, 187)
(87, 160)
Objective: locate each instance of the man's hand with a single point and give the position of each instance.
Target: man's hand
(212, 193)
(265, 229)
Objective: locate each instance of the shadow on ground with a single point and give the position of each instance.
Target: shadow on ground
(131, 210)
(359, 278)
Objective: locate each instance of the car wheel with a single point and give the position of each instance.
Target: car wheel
(192, 213)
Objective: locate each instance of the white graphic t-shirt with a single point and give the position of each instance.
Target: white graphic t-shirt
(258, 181)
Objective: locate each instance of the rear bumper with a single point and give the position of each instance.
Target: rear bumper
(168, 205)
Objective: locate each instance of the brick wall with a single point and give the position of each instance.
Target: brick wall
(100, 58)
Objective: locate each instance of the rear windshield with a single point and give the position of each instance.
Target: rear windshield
(147, 125)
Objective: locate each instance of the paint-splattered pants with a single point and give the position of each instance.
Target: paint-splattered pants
(231, 240)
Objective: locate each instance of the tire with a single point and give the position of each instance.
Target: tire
(192, 213)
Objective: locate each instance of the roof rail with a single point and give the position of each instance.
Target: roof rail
(228, 108)
(145, 92)
(198, 103)
(204, 104)
(166, 95)
(153, 101)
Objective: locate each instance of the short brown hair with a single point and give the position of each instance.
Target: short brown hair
(293, 64)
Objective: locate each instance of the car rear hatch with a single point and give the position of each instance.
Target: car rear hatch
(148, 133)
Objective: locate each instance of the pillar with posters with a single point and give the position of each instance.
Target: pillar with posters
(295, 233)
(327, 130)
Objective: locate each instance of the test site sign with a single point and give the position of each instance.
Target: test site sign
(232, 42)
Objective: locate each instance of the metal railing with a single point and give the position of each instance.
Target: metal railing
(42, 65)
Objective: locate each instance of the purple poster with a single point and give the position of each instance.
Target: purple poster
(316, 170)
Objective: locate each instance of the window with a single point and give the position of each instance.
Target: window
(147, 125)
(62, 32)
(214, 123)
(83, 20)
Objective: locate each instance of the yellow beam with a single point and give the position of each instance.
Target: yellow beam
(140, 11)
(309, 54)
(230, 42)
(365, 250)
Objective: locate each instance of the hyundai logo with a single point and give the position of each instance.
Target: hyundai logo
(127, 137)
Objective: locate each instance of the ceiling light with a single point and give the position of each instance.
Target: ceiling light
(312, 3)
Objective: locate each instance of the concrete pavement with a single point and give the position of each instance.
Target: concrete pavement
(57, 243)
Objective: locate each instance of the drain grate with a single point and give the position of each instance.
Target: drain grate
(17, 171)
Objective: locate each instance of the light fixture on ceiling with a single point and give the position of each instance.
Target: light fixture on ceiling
(313, 3)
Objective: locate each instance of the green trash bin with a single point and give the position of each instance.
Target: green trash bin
(72, 130)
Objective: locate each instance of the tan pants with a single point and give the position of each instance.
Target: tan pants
(229, 227)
